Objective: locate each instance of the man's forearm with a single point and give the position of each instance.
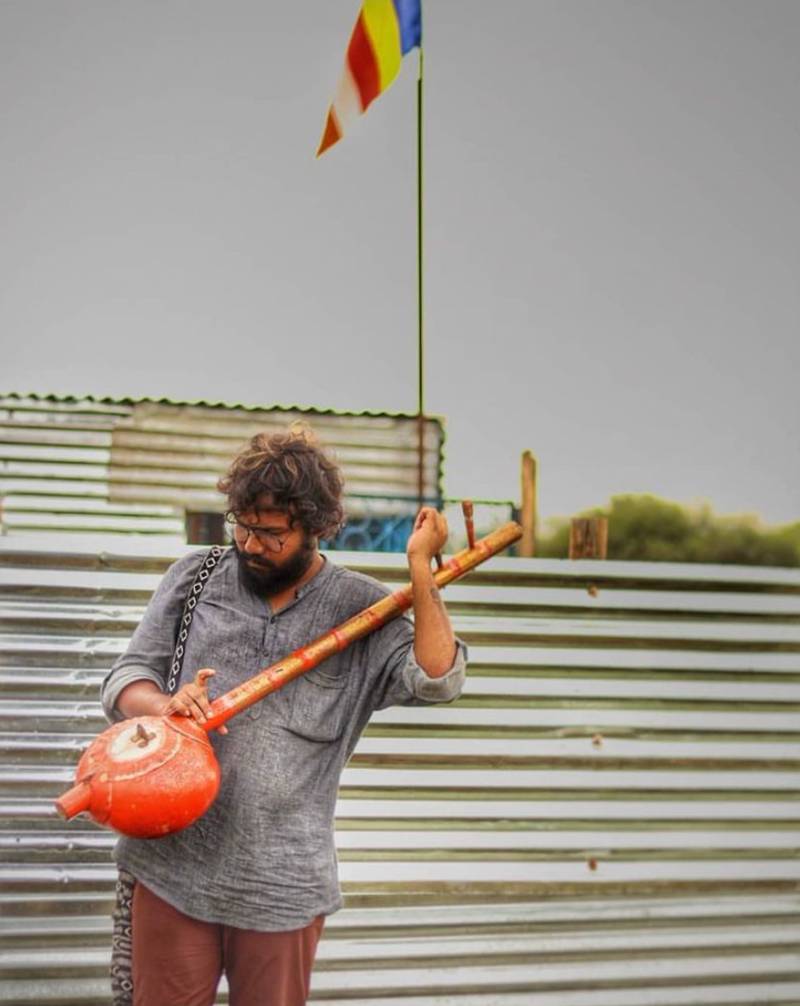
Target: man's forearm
(434, 641)
(141, 698)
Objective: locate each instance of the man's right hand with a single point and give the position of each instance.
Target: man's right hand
(144, 698)
(192, 700)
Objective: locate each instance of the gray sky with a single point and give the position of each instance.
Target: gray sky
(612, 229)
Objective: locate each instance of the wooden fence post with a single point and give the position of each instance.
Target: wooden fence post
(527, 544)
(588, 538)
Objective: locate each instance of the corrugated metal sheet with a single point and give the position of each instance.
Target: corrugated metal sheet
(134, 466)
(609, 815)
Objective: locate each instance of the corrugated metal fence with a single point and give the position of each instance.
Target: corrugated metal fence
(609, 815)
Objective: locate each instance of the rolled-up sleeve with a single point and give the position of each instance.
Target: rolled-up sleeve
(150, 651)
(445, 688)
(400, 680)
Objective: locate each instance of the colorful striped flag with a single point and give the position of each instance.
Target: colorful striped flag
(385, 31)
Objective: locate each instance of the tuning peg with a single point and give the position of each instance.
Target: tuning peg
(466, 507)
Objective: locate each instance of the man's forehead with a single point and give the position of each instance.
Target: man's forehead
(265, 513)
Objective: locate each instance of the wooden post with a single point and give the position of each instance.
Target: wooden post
(527, 545)
(588, 538)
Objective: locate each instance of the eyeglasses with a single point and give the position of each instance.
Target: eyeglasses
(267, 539)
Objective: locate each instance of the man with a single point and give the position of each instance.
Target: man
(245, 889)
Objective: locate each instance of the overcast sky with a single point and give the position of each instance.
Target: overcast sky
(612, 229)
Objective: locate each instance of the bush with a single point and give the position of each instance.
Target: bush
(647, 528)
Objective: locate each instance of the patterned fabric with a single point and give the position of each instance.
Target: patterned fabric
(200, 581)
(121, 935)
(121, 963)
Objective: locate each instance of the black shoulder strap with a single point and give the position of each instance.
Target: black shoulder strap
(201, 579)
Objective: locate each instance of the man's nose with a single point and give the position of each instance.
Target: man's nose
(252, 545)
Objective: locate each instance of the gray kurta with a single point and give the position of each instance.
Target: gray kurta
(263, 856)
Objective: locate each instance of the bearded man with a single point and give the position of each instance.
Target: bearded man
(246, 888)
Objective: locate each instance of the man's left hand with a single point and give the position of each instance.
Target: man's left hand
(428, 536)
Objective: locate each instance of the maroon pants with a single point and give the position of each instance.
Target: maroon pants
(178, 961)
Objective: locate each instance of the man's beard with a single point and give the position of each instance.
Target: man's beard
(265, 578)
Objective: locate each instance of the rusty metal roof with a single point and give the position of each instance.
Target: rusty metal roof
(127, 400)
(105, 464)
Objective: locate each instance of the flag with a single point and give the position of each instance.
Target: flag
(384, 32)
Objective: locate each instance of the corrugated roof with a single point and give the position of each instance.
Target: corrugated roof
(219, 404)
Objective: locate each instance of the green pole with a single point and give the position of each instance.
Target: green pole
(420, 312)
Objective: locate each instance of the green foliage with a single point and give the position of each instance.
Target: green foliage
(647, 528)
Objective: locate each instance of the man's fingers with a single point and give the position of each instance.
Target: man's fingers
(197, 693)
(192, 700)
(182, 705)
(198, 706)
(425, 514)
(176, 708)
(430, 531)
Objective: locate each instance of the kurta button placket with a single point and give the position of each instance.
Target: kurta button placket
(267, 645)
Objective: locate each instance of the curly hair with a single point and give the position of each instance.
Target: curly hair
(292, 469)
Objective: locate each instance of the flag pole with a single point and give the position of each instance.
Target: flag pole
(420, 312)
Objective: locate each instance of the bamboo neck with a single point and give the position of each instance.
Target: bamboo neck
(365, 622)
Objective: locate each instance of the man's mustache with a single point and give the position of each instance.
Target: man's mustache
(260, 563)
